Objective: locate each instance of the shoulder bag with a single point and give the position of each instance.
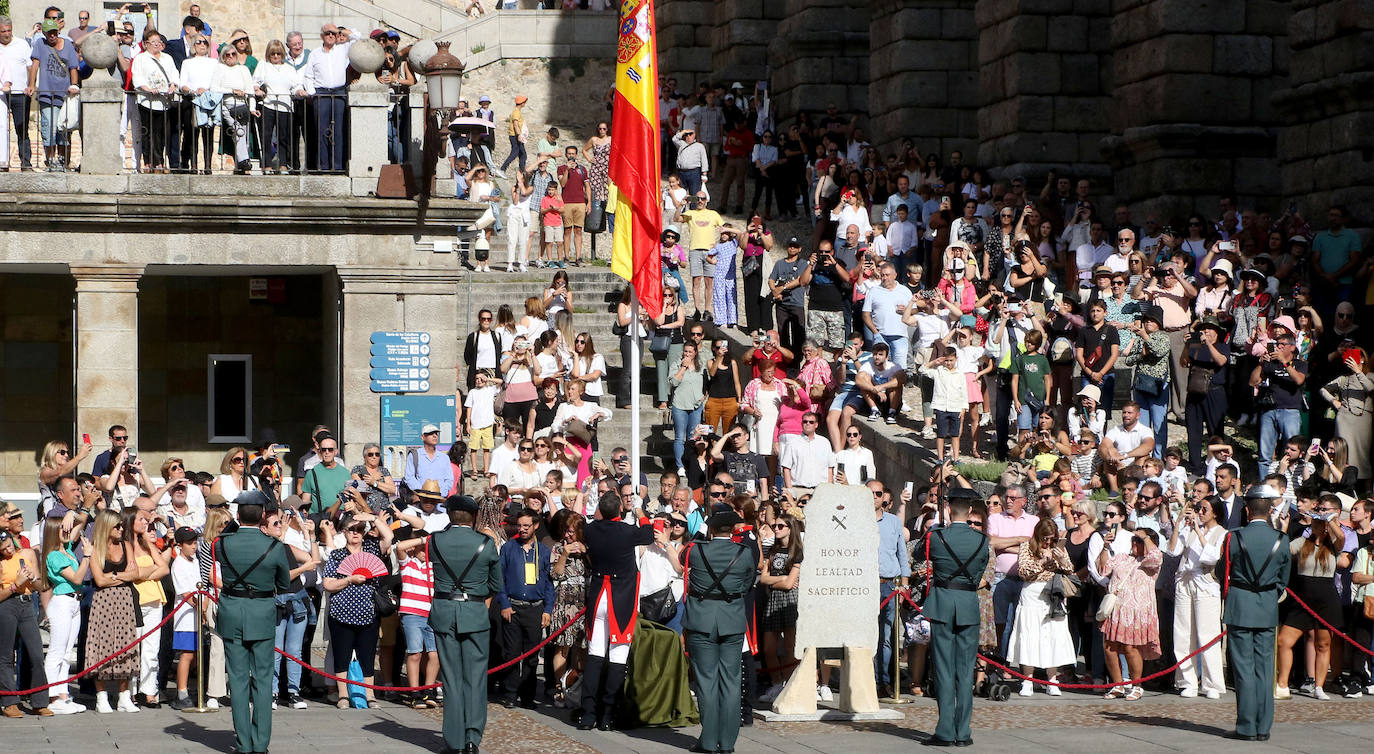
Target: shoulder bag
(1148, 385)
(1107, 608)
(1200, 379)
(384, 600)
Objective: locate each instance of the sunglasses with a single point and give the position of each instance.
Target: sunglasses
(526, 448)
(329, 33)
(175, 467)
(581, 341)
(241, 459)
(977, 524)
(849, 434)
(717, 494)
(781, 525)
(620, 459)
(327, 449)
(358, 529)
(373, 454)
(119, 437)
(64, 452)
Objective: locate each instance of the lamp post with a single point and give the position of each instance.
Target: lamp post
(444, 79)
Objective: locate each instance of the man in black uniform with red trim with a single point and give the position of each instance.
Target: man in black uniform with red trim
(612, 607)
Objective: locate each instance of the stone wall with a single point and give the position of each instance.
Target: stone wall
(819, 57)
(739, 45)
(1191, 112)
(685, 31)
(1046, 80)
(1326, 150)
(924, 75)
(568, 94)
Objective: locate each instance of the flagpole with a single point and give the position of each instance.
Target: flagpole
(635, 366)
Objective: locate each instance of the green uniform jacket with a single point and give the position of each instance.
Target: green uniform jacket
(241, 618)
(717, 617)
(1247, 550)
(456, 546)
(950, 546)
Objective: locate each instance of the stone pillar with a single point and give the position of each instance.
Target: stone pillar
(1046, 78)
(415, 100)
(106, 335)
(684, 40)
(368, 101)
(1324, 148)
(1190, 113)
(820, 56)
(102, 99)
(372, 301)
(923, 75)
(739, 44)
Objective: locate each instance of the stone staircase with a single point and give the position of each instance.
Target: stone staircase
(596, 291)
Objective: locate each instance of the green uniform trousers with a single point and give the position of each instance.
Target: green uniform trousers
(463, 671)
(954, 649)
(716, 662)
(1251, 652)
(249, 665)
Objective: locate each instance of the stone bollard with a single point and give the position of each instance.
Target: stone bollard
(368, 102)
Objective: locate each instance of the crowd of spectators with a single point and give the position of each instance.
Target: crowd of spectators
(196, 102)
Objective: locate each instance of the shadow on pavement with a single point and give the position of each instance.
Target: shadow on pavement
(212, 739)
(428, 740)
(1166, 722)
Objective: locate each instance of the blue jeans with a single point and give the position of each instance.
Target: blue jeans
(49, 125)
(897, 347)
(691, 179)
(290, 634)
(1154, 411)
(419, 635)
(1004, 598)
(882, 659)
(683, 424)
(1275, 426)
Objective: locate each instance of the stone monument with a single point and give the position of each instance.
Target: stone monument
(837, 608)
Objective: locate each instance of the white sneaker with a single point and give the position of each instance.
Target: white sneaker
(824, 694)
(1054, 691)
(66, 707)
(928, 433)
(127, 705)
(1320, 693)
(1027, 688)
(1213, 694)
(212, 703)
(103, 706)
(1188, 693)
(274, 704)
(985, 420)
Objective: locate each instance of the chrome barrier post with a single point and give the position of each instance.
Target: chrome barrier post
(201, 639)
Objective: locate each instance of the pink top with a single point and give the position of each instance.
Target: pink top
(790, 414)
(1002, 525)
(675, 255)
(967, 296)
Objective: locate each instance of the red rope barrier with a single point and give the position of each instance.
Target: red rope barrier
(1328, 626)
(111, 658)
(378, 687)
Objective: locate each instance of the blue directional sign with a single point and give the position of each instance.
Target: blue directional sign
(399, 373)
(399, 362)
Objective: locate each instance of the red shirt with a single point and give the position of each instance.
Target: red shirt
(573, 178)
(739, 143)
(760, 356)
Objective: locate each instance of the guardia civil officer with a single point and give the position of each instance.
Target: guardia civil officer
(253, 569)
(467, 572)
(1259, 563)
(958, 555)
(719, 575)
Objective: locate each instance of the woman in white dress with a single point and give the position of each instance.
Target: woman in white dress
(763, 400)
(1197, 597)
(1041, 636)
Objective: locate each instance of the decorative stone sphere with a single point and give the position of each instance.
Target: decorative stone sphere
(366, 56)
(420, 53)
(99, 50)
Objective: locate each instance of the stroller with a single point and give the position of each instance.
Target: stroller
(996, 686)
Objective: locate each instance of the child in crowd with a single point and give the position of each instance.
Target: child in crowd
(1219, 453)
(1173, 476)
(417, 587)
(185, 631)
(551, 212)
(481, 420)
(1085, 460)
(949, 398)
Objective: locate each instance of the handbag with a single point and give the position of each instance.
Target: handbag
(1199, 380)
(384, 600)
(1148, 385)
(658, 607)
(660, 343)
(620, 330)
(580, 430)
(1108, 606)
(751, 265)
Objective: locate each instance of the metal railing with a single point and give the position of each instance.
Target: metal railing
(201, 134)
(41, 131)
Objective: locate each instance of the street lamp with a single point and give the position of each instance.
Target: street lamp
(444, 74)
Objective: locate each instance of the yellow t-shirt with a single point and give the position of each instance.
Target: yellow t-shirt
(703, 228)
(149, 592)
(516, 120)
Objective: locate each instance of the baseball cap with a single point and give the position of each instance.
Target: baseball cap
(186, 534)
(49, 25)
(428, 428)
(794, 243)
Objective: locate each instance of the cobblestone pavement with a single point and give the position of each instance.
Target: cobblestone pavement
(1073, 723)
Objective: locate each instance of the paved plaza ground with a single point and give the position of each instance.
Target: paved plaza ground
(1073, 723)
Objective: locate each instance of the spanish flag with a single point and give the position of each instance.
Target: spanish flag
(635, 157)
